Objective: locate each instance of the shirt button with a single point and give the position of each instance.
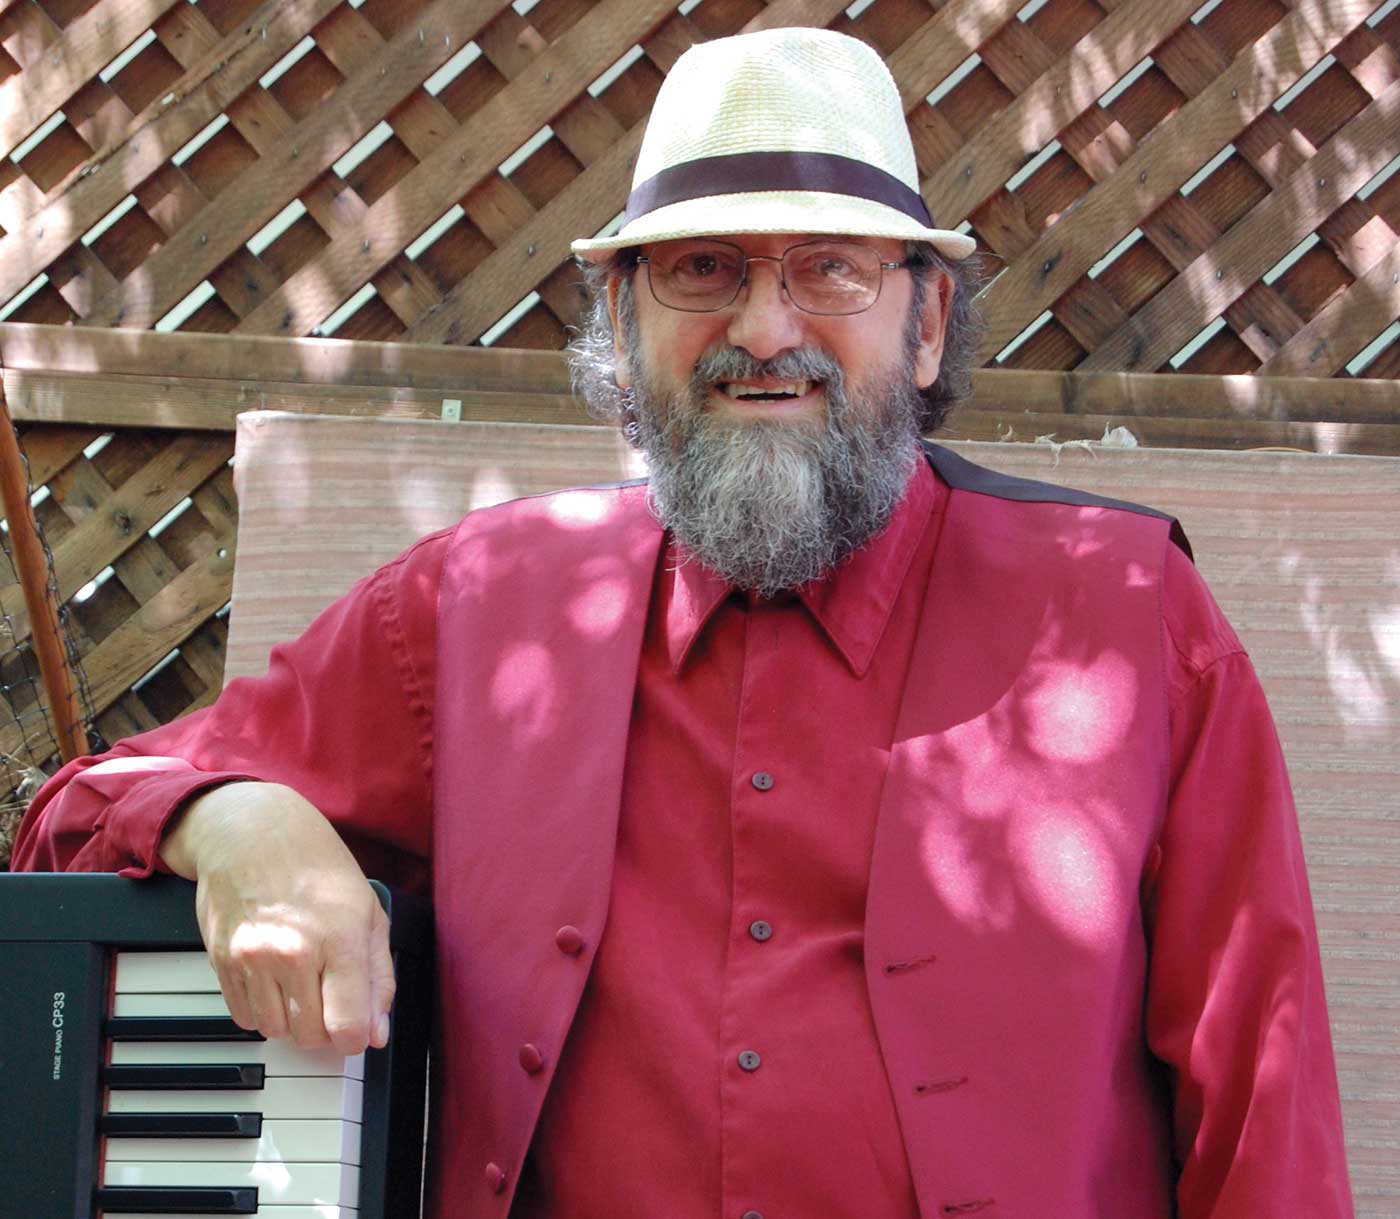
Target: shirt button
(760, 930)
(750, 1060)
(569, 940)
(531, 1059)
(495, 1178)
(763, 781)
(752, 1215)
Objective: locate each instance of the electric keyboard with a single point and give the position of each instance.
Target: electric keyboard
(127, 1090)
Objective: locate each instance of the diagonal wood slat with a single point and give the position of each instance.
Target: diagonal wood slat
(1165, 160)
(1341, 167)
(85, 48)
(154, 136)
(462, 160)
(304, 153)
(1049, 104)
(1343, 326)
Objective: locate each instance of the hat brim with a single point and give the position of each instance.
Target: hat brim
(774, 212)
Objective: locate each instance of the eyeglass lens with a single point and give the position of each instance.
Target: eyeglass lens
(830, 277)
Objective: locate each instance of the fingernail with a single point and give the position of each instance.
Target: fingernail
(381, 1030)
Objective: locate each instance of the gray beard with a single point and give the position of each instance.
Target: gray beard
(772, 505)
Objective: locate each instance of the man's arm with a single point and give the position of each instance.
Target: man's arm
(277, 800)
(1236, 1008)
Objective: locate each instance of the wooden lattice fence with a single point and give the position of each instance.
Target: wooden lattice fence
(1190, 209)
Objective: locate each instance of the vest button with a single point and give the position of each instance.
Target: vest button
(531, 1059)
(495, 1178)
(569, 940)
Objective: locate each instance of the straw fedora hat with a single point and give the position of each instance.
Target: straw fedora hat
(782, 131)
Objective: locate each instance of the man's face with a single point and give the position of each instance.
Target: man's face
(763, 322)
(779, 441)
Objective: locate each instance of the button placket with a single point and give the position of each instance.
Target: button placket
(756, 803)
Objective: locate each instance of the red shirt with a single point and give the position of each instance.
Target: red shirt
(736, 924)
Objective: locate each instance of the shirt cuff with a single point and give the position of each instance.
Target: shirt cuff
(134, 825)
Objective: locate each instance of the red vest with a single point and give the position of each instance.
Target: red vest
(1005, 948)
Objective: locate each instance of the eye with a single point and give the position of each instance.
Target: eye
(822, 265)
(699, 265)
(703, 264)
(832, 266)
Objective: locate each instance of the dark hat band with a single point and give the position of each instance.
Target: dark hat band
(749, 172)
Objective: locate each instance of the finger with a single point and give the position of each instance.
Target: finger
(305, 1019)
(381, 979)
(235, 992)
(345, 994)
(268, 1005)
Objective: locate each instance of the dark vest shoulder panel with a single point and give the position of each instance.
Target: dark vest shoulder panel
(964, 475)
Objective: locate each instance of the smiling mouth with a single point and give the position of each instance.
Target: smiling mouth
(785, 391)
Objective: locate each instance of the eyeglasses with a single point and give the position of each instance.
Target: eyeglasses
(831, 278)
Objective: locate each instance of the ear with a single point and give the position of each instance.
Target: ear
(622, 367)
(929, 356)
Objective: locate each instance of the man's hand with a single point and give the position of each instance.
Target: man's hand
(295, 933)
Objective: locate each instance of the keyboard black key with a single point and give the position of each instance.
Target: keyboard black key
(178, 1028)
(205, 1077)
(182, 1125)
(176, 1200)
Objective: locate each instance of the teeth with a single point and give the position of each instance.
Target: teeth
(796, 388)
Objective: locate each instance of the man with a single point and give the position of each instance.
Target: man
(880, 838)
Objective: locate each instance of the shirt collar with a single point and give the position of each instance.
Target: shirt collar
(852, 605)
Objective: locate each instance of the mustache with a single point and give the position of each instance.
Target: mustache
(799, 364)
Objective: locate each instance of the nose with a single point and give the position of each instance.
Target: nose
(765, 322)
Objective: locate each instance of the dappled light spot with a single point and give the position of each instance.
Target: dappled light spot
(490, 486)
(1138, 575)
(968, 874)
(1066, 868)
(522, 689)
(273, 1175)
(599, 609)
(251, 939)
(976, 750)
(116, 766)
(1385, 630)
(1357, 677)
(1080, 713)
(579, 509)
(1087, 542)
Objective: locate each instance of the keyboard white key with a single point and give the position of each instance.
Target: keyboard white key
(169, 1004)
(282, 1057)
(288, 1142)
(281, 1096)
(164, 972)
(299, 1184)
